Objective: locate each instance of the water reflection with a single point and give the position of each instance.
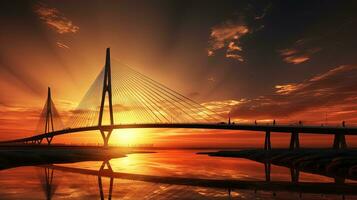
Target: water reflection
(105, 168)
(170, 175)
(47, 183)
(232, 187)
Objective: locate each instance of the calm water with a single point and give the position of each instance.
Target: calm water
(32, 183)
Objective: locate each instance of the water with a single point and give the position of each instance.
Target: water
(31, 182)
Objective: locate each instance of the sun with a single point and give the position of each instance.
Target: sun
(127, 137)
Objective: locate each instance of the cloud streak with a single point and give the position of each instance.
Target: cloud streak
(227, 37)
(62, 46)
(299, 53)
(222, 107)
(55, 19)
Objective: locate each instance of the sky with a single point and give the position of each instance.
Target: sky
(253, 60)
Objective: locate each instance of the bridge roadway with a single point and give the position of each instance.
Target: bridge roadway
(304, 187)
(219, 126)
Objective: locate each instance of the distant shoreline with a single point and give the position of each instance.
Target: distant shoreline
(338, 164)
(28, 156)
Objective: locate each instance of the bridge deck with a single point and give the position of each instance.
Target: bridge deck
(246, 127)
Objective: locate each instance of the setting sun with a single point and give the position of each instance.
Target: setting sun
(127, 137)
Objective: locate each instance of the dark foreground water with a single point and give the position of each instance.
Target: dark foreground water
(167, 174)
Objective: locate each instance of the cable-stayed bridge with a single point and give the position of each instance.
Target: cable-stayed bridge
(121, 97)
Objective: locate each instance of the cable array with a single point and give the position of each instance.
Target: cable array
(54, 119)
(136, 99)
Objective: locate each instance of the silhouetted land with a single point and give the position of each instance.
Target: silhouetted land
(15, 156)
(338, 164)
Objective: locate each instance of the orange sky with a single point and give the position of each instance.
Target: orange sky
(259, 65)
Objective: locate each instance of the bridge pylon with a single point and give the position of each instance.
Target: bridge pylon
(49, 118)
(107, 88)
(339, 141)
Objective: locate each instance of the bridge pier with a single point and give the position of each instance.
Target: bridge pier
(49, 140)
(294, 172)
(39, 141)
(267, 168)
(106, 135)
(340, 180)
(294, 141)
(35, 142)
(339, 141)
(267, 143)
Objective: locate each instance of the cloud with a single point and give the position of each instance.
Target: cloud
(55, 19)
(222, 107)
(261, 14)
(226, 36)
(211, 79)
(333, 93)
(17, 121)
(299, 53)
(61, 45)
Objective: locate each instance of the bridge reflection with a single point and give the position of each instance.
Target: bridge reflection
(47, 183)
(106, 171)
(111, 181)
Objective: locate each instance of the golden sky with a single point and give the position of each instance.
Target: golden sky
(257, 60)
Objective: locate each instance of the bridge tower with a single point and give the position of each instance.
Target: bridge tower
(339, 141)
(107, 88)
(49, 117)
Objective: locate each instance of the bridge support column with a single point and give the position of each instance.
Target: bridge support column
(49, 117)
(39, 141)
(106, 135)
(340, 180)
(339, 141)
(294, 141)
(267, 143)
(49, 140)
(267, 168)
(294, 172)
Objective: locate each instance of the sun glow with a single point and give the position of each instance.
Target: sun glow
(128, 137)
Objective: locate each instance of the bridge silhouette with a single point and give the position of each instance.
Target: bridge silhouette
(121, 97)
